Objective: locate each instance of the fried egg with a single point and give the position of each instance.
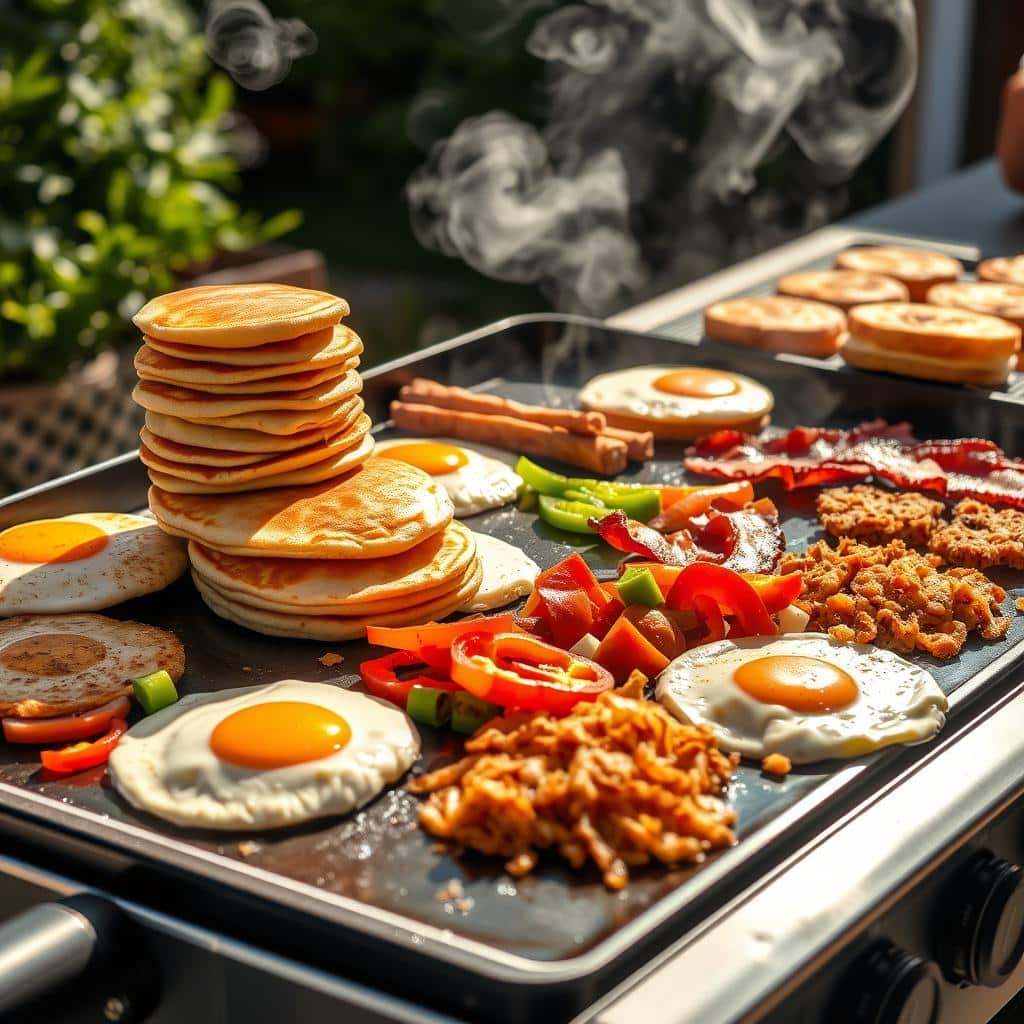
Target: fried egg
(803, 695)
(263, 757)
(85, 562)
(475, 480)
(677, 396)
(508, 574)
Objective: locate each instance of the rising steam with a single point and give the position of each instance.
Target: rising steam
(680, 135)
(253, 46)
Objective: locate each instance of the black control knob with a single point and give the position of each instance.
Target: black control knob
(981, 932)
(887, 985)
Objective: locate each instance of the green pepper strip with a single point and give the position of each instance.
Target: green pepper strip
(568, 515)
(469, 712)
(429, 705)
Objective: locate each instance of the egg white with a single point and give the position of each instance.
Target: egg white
(898, 702)
(166, 766)
(508, 574)
(139, 558)
(484, 482)
(632, 392)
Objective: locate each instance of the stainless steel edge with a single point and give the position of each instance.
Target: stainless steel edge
(648, 316)
(775, 936)
(348, 994)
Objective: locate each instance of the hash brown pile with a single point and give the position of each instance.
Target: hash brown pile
(895, 598)
(875, 516)
(981, 536)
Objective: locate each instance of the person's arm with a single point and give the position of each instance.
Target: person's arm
(1010, 134)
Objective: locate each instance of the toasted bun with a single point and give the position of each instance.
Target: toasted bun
(238, 315)
(918, 269)
(843, 288)
(688, 431)
(777, 324)
(994, 298)
(868, 356)
(1009, 269)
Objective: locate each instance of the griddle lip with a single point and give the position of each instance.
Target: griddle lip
(579, 978)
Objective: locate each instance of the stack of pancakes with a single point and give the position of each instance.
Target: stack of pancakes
(257, 446)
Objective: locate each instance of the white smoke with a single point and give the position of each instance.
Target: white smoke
(255, 48)
(667, 125)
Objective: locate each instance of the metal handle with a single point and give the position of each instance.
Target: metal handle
(40, 949)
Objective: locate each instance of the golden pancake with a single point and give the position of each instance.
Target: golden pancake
(383, 508)
(238, 315)
(58, 664)
(236, 439)
(271, 466)
(283, 423)
(213, 379)
(342, 586)
(190, 404)
(332, 345)
(333, 627)
(236, 481)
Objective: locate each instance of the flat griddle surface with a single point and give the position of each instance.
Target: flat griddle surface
(374, 878)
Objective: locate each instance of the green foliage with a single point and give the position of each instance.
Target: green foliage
(115, 165)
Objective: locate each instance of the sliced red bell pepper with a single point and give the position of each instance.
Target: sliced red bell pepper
(392, 676)
(516, 670)
(80, 756)
(624, 648)
(569, 599)
(66, 728)
(711, 616)
(729, 590)
(777, 592)
(437, 634)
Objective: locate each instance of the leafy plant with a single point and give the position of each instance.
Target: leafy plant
(116, 160)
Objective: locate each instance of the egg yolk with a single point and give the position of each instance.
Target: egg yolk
(51, 540)
(695, 382)
(279, 733)
(808, 685)
(433, 458)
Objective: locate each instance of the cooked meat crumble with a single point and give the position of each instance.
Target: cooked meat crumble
(981, 536)
(876, 516)
(896, 598)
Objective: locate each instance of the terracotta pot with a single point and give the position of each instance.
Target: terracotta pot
(47, 430)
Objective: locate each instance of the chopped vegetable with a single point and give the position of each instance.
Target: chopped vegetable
(571, 516)
(662, 628)
(570, 602)
(680, 514)
(429, 704)
(516, 670)
(155, 691)
(65, 728)
(469, 712)
(777, 592)
(80, 756)
(733, 595)
(638, 586)
(624, 649)
(586, 646)
(438, 635)
(639, 501)
(392, 676)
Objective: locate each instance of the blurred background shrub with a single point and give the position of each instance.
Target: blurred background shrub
(117, 157)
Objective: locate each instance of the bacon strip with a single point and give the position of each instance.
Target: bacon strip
(811, 456)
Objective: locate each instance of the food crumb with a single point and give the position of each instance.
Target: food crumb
(1019, 604)
(452, 890)
(777, 764)
(247, 668)
(465, 905)
(248, 848)
(330, 659)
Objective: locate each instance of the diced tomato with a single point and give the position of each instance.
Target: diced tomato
(80, 756)
(517, 670)
(624, 648)
(392, 676)
(729, 590)
(65, 728)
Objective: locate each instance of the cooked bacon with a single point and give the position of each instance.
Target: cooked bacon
(745, 540)
(812, 456)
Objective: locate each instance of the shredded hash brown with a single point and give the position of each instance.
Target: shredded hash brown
(618, 781)
(895, 598)
(981, 536)
(876, 516)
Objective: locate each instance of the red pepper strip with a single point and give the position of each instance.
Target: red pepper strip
(680, 514)
(516, 670)
(632, 537)
(437, 634)
(66, 728)
(777, 592)
(711, 615)
(392, 676)
(730, 590)
(80, 756)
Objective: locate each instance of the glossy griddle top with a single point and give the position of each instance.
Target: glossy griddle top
(371, 882)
